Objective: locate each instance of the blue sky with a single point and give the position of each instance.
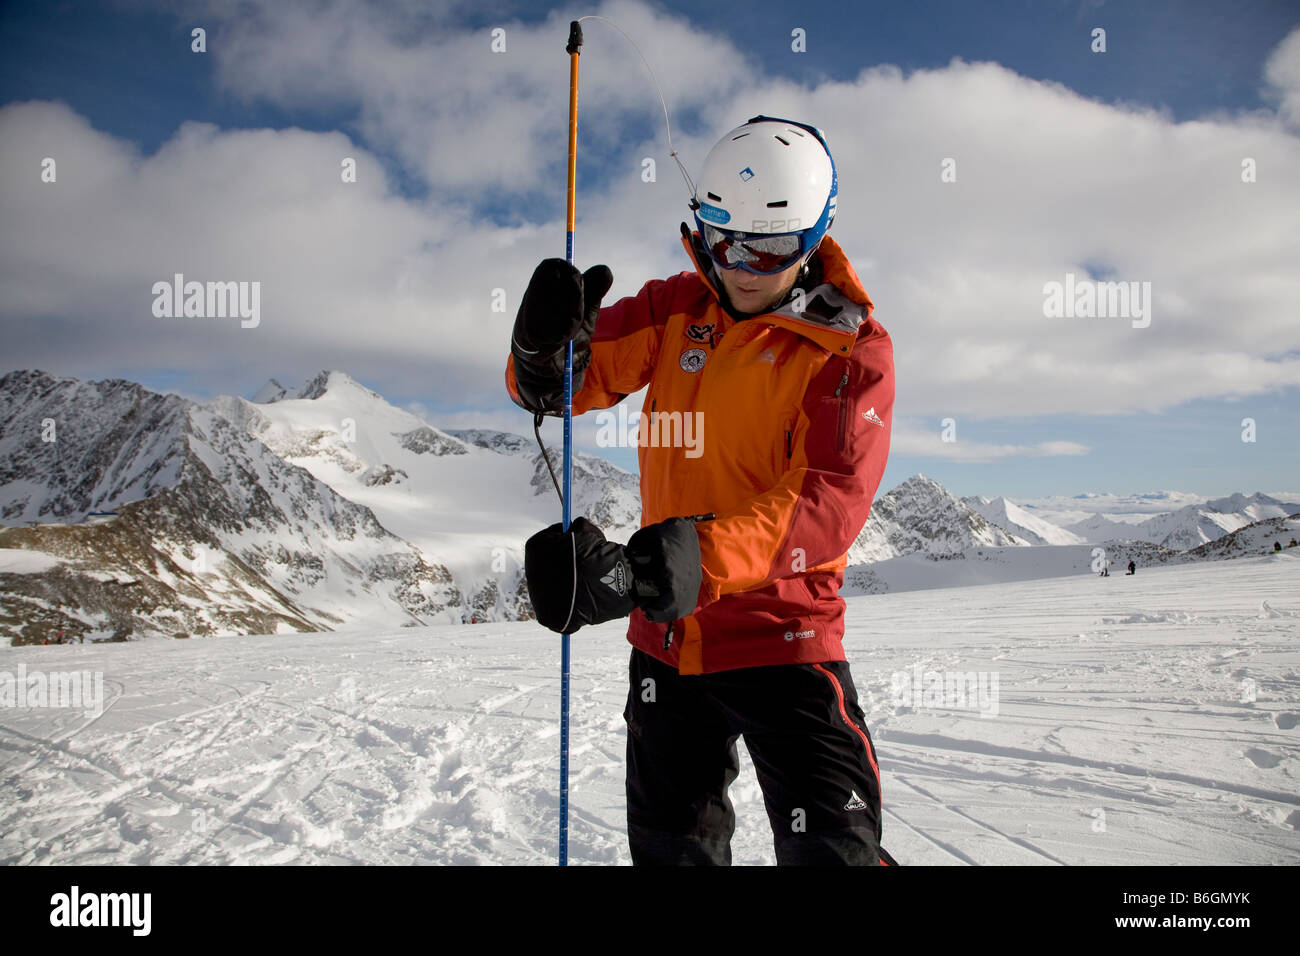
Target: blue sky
(1191, 57)
(1120, 164)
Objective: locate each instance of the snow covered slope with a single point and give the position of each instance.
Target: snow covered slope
(1146, 720)
(914, 572)
(1254, 539)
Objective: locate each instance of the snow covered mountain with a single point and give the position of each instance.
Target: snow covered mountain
(69, 447)
(1173, 519)
(1067, 511)
(467, 500)
(999, 565)
(1101, 527)
(324, 505)
(213, 532)
(272, 391)
(1157, 540)
(606, 494)
(921, 516)
(1195, 525)
(1012, 518)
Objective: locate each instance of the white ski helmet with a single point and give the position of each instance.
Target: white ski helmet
(770, 177)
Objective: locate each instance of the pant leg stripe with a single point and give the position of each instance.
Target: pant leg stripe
(839, 694)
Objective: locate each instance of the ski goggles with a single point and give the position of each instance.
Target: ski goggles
(754, 252)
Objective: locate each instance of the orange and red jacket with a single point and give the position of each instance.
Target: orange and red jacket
(791, 415)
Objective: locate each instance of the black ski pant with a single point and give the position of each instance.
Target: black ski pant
(810, 747)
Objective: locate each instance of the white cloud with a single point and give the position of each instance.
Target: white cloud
(908, 441)
(398, 291)
(469, 119)
(1282, 76)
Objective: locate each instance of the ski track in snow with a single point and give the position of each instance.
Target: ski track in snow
(1122, 735)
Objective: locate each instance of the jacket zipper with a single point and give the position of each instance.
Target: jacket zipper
(844, 408)
(668, 636)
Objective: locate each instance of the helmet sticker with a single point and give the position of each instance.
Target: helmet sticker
(714, 214)
(746, 174)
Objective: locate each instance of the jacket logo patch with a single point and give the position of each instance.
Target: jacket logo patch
(692, 360)
(871, 416)
(801, 635)
(699, 333)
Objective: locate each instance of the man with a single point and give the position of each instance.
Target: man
(732, 582)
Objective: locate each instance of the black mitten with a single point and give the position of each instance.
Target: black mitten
(577, 578)
(560, 304)
(666, 567)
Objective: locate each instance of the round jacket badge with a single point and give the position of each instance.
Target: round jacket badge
(693, 360)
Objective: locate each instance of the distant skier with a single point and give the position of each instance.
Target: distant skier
(1132, 568)
(1277, 546)
(732, 581)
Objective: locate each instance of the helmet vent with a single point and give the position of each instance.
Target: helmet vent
(714, 196)
(741, 136)
(777, 205)
(783, 141)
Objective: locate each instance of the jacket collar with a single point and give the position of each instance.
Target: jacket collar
(833, 310)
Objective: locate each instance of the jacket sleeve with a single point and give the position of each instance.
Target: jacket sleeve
(812, 516)
(624, 346)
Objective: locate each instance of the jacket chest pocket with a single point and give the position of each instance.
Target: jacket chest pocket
(831, 429)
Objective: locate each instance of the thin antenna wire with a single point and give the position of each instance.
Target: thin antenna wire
(537, 430)
(671, 152)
